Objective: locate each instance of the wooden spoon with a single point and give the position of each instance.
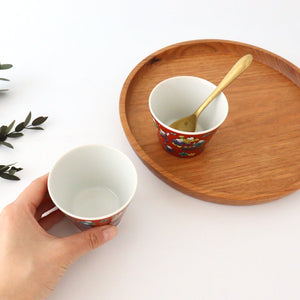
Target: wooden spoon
(189, 123)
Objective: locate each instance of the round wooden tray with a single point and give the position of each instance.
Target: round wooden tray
(255, 156)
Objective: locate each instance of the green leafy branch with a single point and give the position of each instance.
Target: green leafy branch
(8, 132)
(8, 172)
(4, 67)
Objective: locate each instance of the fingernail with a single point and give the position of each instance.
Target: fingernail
(109, 232)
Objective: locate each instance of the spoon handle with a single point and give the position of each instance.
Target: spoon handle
(240, 66)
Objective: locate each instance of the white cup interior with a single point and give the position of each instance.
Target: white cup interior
(92, 182)
(180, 96)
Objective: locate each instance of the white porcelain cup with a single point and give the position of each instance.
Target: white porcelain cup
(93, 185)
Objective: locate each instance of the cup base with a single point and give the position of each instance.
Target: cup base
(185, 145)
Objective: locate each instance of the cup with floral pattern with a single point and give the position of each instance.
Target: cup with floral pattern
(180, 96)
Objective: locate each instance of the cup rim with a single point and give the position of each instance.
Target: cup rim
(187, 132)
(91, 218)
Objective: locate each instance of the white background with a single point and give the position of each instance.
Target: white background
(70, 60)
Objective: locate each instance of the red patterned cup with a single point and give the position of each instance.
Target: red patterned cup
(93, 185)
(180, 96)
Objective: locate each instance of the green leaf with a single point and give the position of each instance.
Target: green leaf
(15, 134)
(9, 176)
(35, 128)
(9, 128)
(16, 169)
(4, 168)
(4, 79)
(39, 121)
(11, 171)
(20, 127)
(5, 66)
(1, 166)
(4, 90)
(27, 120)
(3, 130)
(7, 145)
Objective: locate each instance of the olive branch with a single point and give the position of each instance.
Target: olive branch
(4, 67)
(7, 132)
(8, 172)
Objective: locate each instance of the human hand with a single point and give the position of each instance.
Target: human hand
(32, 261)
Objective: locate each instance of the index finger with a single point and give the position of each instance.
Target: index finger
(34, 194)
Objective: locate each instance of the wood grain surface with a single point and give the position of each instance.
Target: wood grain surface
(255, 156)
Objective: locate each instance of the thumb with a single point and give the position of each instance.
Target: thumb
(76, 245)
